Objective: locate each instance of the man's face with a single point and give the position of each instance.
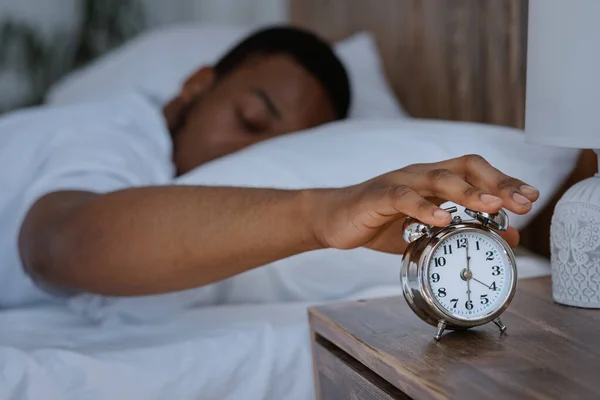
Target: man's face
(263, 98)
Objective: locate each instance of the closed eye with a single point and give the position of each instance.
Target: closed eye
(248, 125)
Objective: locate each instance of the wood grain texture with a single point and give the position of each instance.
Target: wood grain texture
(341, 377)
(548, 352)
(450, 59)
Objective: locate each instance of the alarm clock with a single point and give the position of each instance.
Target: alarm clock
(461, 275)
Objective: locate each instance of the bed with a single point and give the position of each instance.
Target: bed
(457, 60)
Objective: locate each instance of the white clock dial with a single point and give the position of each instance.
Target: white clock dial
(469, 274)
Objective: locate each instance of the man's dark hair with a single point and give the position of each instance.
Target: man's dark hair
(311, 52)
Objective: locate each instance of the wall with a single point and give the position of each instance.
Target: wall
(217, 11)
(42, 40)
(37, 24)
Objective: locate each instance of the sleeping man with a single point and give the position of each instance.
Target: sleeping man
(87, 205)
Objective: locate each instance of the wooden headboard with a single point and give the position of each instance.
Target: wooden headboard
(459, 60)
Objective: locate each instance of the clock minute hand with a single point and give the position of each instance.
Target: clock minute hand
(468, 273)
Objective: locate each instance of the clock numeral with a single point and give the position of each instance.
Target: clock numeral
(440, 261)
(455, 301)
(469, 305)
(484, 299)
(461, 243)
(477, 246)
(489, 255)
(496, 270)
(493, 286)
(442, 292)
(435, 277)
(447, 249)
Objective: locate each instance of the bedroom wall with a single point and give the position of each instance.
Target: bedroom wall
(217, 11)
(40, 41)
(37, 24)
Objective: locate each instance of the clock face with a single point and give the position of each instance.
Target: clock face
(469, 274)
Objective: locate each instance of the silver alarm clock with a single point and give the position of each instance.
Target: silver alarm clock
(459, 276)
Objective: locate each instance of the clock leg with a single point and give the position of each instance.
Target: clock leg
(499, 324)
(440, 329)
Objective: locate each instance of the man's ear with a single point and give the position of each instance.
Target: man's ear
(197, 83)
(175, 111)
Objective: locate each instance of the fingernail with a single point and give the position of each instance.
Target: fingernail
(489, 199)
(519, 198)
(526, 189)
(441, 214)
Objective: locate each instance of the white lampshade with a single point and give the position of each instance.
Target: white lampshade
(563, 73)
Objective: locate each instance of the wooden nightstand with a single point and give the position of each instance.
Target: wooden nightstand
(378, 349)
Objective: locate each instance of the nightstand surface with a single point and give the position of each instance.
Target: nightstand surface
(378, 349)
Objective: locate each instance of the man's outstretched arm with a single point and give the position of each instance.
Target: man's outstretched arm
(159, 239)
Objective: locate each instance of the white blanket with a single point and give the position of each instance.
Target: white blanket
(248, 352)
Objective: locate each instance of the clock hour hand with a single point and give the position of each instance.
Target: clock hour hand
(468, 257)
(477, 280)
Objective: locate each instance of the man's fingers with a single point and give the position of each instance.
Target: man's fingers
(403, 200)
(444, 184)
(469, 181)
(515, 194)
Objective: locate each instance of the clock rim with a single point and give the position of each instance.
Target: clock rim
(415, 284)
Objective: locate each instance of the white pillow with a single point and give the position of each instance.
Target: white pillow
(338, 154)
(348, 152)
(157, 63)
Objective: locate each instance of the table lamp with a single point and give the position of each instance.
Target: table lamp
(563, 109)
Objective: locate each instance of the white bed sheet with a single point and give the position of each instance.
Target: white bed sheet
(222, 352)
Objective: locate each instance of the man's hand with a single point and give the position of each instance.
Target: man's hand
(158, 239)
(371, 214)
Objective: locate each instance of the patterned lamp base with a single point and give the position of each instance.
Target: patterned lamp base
(575, 245)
